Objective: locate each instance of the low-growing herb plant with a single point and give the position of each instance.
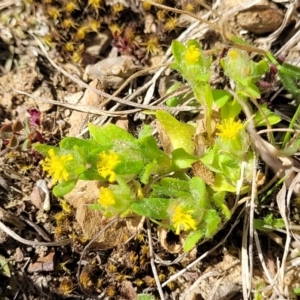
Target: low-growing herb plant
(183, 189)
(22, 133)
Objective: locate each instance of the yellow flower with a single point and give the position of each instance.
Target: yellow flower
(115, 28)
(182, 220)
(152, 45)
(229, 129)
(56, 166)
(171, 24)
(117, 8)
(107, 197)
(192, 54)
(106, 165)
(233, 54)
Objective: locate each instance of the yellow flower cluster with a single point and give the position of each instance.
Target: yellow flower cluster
(55, 166)
(229, 129)
(106, 164)
(107, 197)
(192, 54)
(182, 220)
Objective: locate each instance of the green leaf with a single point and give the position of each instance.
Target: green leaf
(4, 268)
(71, 143)
(290, 70)
(239, 41)
(269, 223)
(221, 97)
(212, 220)
(182, 159)
(261, 68)
(174, 101)
(210, 159)
(292, 148)
(155, 208)
(26, 145)
(171, 187)
(253, 91)
(107, 136)
(86, 148)
(192, 239)
(218, 199)
(177, 50)
(148, 170)
(126, 167)
(198, 191)
(221, 184)
(180, 134)
(145, 131)
(296, 291)
(91, 174)
(230, 110)
(288, 82)
(260, 120)
(64, 188)
(44, 149)
(150, 150)
(95, 206)
(230, 167)
(145, 297)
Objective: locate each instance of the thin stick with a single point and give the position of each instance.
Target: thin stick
(15, 236)
(128, 80)
(251, 221)
(96, 91)
(153, 267)
(262, 261)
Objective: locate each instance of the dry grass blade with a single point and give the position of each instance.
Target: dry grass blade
(247, 256)
(82, 108)
(281, 202)
(197, 283)
(267, 273)
(7, 3)
(154, 270)
(246, 280)
(32, 243)
(290, 43)
(128, 80)
(98, 92)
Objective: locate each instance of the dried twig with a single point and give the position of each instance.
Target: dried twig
(154, 271)
(32, 243)
(7, 3)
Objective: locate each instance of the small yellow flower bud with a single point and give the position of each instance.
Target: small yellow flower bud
(229, 129)
(56, 166)
(106, 165)
(192, 54)
(107, 197)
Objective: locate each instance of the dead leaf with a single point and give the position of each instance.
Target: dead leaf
(164, 139)
(201, 170)
(176, 247)
(45, 264)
